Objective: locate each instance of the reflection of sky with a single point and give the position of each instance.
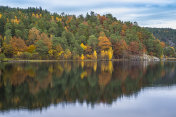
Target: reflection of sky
(151, 102)
(153, 13)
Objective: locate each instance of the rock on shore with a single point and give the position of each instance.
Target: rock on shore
(144, 57)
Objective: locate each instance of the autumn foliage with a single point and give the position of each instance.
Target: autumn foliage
(121, 49)
(37, 34)
(18, 45)
(104, 43)
(135, 48)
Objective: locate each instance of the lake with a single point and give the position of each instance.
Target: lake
(88, 89)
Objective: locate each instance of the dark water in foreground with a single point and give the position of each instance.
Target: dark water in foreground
(88, 89)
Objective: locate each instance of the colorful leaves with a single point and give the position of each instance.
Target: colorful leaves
(104, 43)
(31, 48)
(16, 20)
(84, 47)
(110, 53)
(83, 75)
(94, 55)
(18, 45)
(82, 57)
(0, 15)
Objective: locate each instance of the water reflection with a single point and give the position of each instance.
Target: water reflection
(38, 85)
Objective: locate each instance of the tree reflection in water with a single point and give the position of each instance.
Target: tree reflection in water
(38, 85)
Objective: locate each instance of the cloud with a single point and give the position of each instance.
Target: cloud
(122, 13)
(154, 13)
(96, 2)
(160, 24)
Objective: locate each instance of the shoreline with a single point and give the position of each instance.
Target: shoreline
(133, 58)
(59, 60)
(88, 60)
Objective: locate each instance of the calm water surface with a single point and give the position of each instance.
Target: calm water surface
(88, 89)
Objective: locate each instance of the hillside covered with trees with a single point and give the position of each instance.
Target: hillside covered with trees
(167, 35)
(34, 33)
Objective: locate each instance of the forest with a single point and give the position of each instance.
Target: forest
(35, 33)
(167, 35)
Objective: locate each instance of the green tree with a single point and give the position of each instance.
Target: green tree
(41, 48)
(92, 41)
(169, 52)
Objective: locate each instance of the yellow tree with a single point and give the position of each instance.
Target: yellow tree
(94, 55)
(82, 57)
(110, 53)
(104, 43)
(18, 45)
(31, 48)
(33, 36)
(0, 15)
(84, 47)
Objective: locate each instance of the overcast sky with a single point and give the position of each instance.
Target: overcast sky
(150, 13)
